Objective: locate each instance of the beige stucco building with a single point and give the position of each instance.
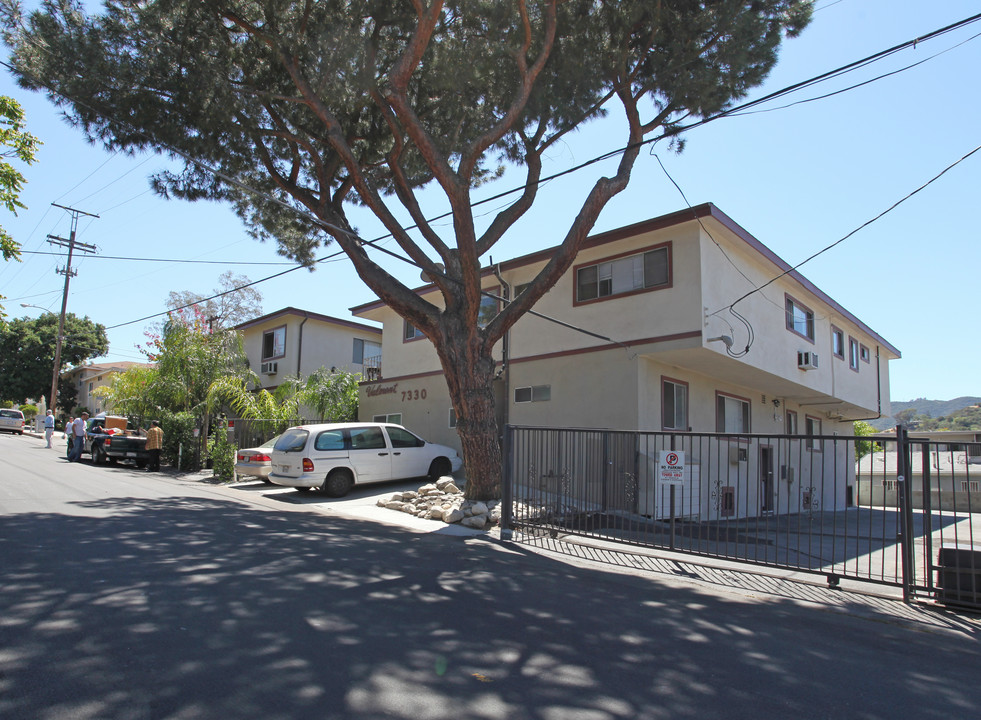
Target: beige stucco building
(298, 342)
(86, 378)
(659, 292)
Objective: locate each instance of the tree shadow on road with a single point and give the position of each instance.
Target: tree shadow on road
(205, 608)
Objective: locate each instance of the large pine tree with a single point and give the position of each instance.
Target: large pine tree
(322, 104)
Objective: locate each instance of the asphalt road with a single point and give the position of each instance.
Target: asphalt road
(130, 595)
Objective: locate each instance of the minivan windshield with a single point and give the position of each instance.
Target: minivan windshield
(293, 440)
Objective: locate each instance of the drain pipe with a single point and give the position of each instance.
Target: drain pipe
(299, 344)
(505, 347)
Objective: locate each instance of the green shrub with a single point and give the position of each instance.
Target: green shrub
(222, 453)
(179, 441)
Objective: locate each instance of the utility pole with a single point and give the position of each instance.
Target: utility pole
(67, 271)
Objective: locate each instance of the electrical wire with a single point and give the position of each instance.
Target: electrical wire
(860, 227)
(162, 260)
(330, 228)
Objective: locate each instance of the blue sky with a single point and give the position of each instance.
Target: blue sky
(798, 178)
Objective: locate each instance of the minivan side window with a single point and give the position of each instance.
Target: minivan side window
(367, 438)
(402, 438)
(330, 440)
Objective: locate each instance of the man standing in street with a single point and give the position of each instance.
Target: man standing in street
(154, 442)
(78, 437)
(49, 426)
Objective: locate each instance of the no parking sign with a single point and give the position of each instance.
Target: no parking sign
(671, 467)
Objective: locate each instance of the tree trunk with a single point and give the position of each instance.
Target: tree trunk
(469, 368)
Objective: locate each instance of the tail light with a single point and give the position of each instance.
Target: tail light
(307, 465)
(107, 442)
(240, 457)
(261, 458)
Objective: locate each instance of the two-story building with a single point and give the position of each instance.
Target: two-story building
(86, 378)
(298, 342)
(663, 349)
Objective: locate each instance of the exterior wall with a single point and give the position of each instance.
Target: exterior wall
(422, 402)
(88, 378)
(312, 341)
(652, 334)
(775, 348)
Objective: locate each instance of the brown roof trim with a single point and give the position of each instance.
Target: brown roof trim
(552, 355)
(311, 315)
(705, 210)
(608, 346)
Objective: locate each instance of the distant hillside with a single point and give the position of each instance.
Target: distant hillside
(924, 408)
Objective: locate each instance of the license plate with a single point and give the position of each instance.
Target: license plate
(129, 454)
(284, 468)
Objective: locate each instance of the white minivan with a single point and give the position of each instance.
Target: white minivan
(336, 456)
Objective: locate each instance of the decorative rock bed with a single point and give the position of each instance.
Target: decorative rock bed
(444, 501)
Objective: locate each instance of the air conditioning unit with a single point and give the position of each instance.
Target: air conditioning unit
(807, 360)
(269, 368)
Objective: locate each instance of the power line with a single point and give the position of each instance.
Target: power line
(860, 227)
(317, 222)
(163, 260)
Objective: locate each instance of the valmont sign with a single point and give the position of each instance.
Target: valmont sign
(671, 467)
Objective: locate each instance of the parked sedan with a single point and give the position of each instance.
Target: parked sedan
(336, 456)
(12, 421)
(255, 462)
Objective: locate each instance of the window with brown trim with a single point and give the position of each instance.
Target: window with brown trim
(800, 318)
(837, 343)
(853, 353)
(732, 414)
(792, 422)
(812, 427)
(625, 274)
(674, 405)
(864, 354)
(410, 331)
(274, 343)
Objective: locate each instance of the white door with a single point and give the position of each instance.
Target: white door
(370, 454)
(410, 455)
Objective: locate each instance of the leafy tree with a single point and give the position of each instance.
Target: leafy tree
(15, 143)
(231, 307)
(333, 395)
(863, 447)
(189, 358)
(132, 393)
(321, 104)
(280, 406)
(27, 348)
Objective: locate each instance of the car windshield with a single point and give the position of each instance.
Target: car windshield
(293, 440)
(11, 414)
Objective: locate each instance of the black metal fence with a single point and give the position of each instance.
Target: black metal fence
(246, 433)
(831, 505)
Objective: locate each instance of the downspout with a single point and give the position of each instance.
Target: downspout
(505, 349)
(299, 344)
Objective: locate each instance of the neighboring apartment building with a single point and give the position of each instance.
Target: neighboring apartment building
(86, 378)
(661, 290)
(298, 342)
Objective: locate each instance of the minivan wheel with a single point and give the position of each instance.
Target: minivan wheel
(338, 483)
(440, 467)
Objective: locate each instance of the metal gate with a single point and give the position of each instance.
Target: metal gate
(837, 506)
